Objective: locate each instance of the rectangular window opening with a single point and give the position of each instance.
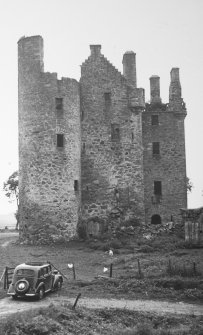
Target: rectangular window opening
(59, 104)
(155, 120)
(60, 140)
(107, 99)
(76, 185)
(157, 188)
(115, 132)
(155, 148)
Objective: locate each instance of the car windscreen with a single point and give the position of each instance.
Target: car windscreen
(25, 272)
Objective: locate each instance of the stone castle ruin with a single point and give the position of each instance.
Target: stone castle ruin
(92, 154)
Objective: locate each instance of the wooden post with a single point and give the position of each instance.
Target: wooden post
(76, 300)
(5, 278)
(139, 269)
(169, 267)
(111, 270)
(194, 268)
(74, 274)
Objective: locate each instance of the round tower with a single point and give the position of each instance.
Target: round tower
(49, 148)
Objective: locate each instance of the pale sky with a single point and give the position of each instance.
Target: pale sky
(163, 33)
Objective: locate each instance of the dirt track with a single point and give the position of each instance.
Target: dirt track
(8, 306)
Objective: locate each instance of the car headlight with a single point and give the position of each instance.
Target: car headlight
(21, 286)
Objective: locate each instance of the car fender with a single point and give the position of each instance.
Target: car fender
(39, 286)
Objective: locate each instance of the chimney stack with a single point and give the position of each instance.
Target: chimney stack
(175, 87)
(95, 50)
(155, 89)
(129, 68)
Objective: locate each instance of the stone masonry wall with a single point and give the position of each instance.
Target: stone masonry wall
(169, 166)
(49, 196)
(86, 149)
(112, 156)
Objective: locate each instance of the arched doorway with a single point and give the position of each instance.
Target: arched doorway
(155, 219)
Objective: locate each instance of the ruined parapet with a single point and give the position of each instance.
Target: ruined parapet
(49, 149)
(193, 223)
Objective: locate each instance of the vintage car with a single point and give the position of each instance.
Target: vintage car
(34, 279)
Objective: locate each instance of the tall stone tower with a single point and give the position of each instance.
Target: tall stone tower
(92, 154)
(164, 153)
(49, 148)
(112, 152)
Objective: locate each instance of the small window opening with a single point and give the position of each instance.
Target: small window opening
(107, 100)
(60, 140)
(155, 219)
(155, 120)
(132, 136)
(115, 132)
(107, 97)
(155, 148)
(59, 103)
(76, 185)
(157, 188)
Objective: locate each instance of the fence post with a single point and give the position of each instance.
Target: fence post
(169, 267)
(139, 269)
(111, 270)
(194, 268)
(5, 278)
(74, 274)
(76, 300)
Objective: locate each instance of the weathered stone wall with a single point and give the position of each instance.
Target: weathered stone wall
(49, 204)
(169, 166)
(112, 153)
(102, 173)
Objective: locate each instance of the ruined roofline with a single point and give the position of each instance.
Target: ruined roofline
(33, 50)
(87, 61)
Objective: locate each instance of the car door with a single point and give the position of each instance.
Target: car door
(47, 278)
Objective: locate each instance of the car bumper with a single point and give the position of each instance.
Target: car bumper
(23, 295)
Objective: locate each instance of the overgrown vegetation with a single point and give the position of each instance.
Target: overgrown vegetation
(63, 320)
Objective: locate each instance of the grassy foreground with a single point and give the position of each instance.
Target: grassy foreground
(63, 320)
(162, 269)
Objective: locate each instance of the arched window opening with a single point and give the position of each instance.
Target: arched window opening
(155, 219)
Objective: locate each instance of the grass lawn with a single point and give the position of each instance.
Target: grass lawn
(165, 273)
